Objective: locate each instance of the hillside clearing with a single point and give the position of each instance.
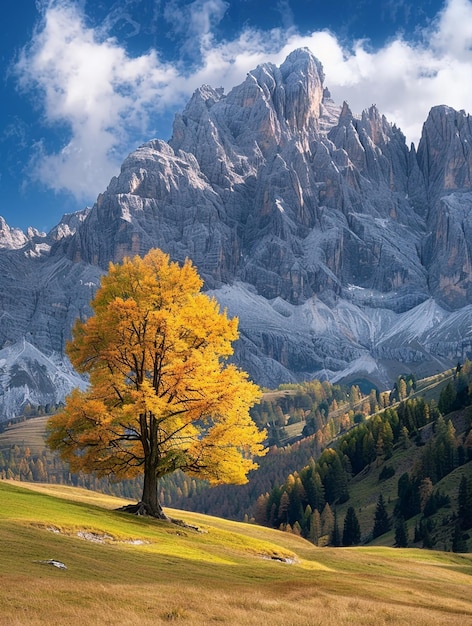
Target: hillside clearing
(145, 571)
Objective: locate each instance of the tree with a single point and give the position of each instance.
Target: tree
(282, 514)
(459, 543)
(401, 533)
(425, 491)
(446, 399)
(162, 396)
(335, 539)
(381, 518)
(464, 500)
(402, 389)
(315, 527)
(351, 529)
(327, 520)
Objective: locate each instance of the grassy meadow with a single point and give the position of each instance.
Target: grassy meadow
(126, 570)
(29, 433)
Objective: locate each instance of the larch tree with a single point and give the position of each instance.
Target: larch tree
(161, 394)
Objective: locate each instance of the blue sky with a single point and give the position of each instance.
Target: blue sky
(86, 81)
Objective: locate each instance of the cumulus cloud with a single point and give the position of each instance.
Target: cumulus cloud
(93, 89)
(88, 84)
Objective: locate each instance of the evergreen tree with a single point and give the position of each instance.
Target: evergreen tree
(351, 530)
(381, 518)
(335, 482)
(297, 496)
(315, 527)
(401, 533)
(313, 487)
(335, 535)
(282, 514)
(368, 448)
(459, 543)
(408, 503)
(446, 399)
(465, 502)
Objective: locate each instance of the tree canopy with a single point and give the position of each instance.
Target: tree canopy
(162, 395)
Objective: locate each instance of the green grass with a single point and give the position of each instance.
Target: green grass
(430, 388)
(365, 488)
(226, 572)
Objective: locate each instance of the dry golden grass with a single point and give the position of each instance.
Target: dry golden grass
(30, 433)
(223, 575)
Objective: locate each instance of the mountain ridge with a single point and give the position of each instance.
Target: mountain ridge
(320, 229)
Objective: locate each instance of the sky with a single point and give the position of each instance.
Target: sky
(84, 82)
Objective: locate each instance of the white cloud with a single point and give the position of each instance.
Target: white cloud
(106, 99)
(96, 91)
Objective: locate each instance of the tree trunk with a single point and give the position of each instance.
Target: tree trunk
(150, 499)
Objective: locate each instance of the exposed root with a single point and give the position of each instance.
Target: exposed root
(141, 508)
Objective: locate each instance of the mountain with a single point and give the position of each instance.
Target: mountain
(344, 252)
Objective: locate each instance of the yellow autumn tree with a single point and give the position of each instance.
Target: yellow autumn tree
(162, 395)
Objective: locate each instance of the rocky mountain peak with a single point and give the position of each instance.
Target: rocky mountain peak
(270, 106)
(345, 116)
(11, 238)
(445, 151)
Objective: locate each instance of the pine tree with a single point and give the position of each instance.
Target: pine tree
(446, 399)
(401, 533)
(465, 502)
(335, 535)
(335, 481)
(368, 448)
(351, 530)
(315, 527)
(381, 518)
(282, 514)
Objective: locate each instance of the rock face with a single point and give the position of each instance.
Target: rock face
(344, 253)
(445, 159)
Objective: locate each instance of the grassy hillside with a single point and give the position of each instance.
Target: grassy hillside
(127, 570)
(29, 433)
